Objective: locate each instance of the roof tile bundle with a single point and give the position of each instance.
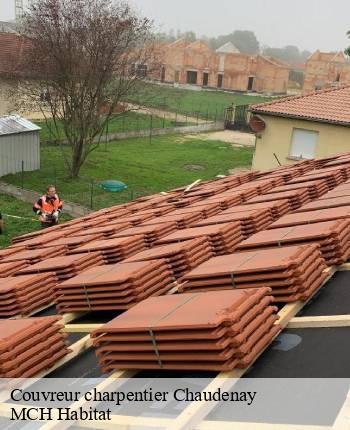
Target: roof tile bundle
(216, 331)
(21, 295)
(223, 238)
(325, 204)
(151, 233)
(105, 230)
(133, 220)
(207, 209)
(311, 217)
(225, 200)
(74, 241)
(114, 287)
(296, 198)
(33, 256)
(11, 268)
(67, 266)
(7, 252)
(28, 346)
(181, 257)
(277, 208)
(315, 188)
(182, 220)
(332, 236)
(339, 191)
(182, 201)
(344, 169)
(38, 241)
(292, 272)
(333, 178)
(251, 221)
(114, 250)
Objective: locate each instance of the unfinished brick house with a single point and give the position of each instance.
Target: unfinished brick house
(227, 68)
(326, 70)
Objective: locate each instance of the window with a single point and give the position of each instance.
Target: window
(220, 80)
(191, 77)
(304, 143)
(205, 79)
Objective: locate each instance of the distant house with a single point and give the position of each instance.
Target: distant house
(19, 145)
(326, 70)
(195, 63)
(303, 127)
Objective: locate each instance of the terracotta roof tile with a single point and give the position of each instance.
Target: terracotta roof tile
(330, 106)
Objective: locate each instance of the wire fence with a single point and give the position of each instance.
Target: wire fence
(133, 123)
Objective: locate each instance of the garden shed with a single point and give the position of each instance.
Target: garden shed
(19, 145)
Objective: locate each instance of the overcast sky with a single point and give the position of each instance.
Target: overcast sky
(309, 24)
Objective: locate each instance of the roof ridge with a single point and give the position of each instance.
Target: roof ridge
(301, 96)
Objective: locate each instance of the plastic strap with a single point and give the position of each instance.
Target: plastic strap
(155, 347)
(87, 297)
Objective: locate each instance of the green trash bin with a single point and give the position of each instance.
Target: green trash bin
(113, 186)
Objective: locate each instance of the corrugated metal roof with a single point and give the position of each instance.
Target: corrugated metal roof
(15, 124)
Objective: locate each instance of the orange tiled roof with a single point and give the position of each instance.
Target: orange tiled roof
(330, 106)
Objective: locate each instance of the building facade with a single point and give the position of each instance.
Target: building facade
(326, 70)
(226, 68)
(304, 127)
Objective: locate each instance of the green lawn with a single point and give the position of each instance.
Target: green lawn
(17, 226)
(128, 121)
(165, 163)
(205, 103)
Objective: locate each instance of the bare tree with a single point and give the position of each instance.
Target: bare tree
(83, 55)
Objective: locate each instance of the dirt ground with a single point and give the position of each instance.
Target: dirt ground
(237, 138)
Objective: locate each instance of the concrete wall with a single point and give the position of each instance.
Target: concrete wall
(277, 139)
(29, 196)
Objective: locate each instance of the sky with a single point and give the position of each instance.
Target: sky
(308, 24)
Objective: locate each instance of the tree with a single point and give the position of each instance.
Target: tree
(84, 55)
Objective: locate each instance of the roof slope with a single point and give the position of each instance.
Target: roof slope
(228, 48)
(15, 124)
(330, 106)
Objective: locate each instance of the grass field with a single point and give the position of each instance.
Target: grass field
(130, 121)
(168, 162)
(205, 103)
(17, 226)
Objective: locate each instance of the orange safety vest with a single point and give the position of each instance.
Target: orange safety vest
(49, 206)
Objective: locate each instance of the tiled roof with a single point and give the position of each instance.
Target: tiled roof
(329, 106)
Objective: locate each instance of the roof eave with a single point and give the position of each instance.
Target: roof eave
(301, 117)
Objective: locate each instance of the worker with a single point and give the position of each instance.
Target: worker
(48, 207)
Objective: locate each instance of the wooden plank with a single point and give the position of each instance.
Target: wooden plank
(71, 316)
(189, 188)
(320, 321)
(81, 328)
(344, 267)
(123, 375)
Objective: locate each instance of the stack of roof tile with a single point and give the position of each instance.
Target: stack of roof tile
(74, 241)
(182, 220)
(7, 252)
(9, 269)
(223, 238)
(133, 220)
(333, 178)
(39, 241)
(104, 230)
(114, 250)
(332, 236)
(207, 209)
(28, 346)
(344, 169)
(181, 257)
(277, 208)
(65, 267)
(217, 331)
(225, 200)
(292, 272)
(251, 221)
(324, 203)
(315, 188)
(311, 217)
(296, 198)
(151, 233)
(20, 295)
(33, 256)
(339, 191)
(116, 286)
